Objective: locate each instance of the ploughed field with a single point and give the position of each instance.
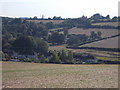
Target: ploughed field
(35, 75)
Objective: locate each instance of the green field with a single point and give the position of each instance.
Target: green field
(35, 75)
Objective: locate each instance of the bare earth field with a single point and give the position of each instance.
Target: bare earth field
(105, 32)
(46, 21)
(34, 75)
(107, 43)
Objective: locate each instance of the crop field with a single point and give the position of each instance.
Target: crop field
(35, 75)
(107, 43)
(107, 23)
(46, 21)
(105, 32)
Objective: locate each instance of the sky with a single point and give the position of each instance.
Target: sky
(63, 8)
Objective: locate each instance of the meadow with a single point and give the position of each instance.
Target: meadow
(35, 75)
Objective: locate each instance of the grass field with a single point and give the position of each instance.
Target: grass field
(34, 75)
(105, 32)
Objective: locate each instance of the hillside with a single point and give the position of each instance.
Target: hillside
(105, 32)
(107, 43)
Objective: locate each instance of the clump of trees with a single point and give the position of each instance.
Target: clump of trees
(62, 57)
(57, 38)
(74, 40)
(95, 35)
(27, 45)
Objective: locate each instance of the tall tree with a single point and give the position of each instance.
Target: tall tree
(55, 58)
(70, 57)
(41, 46)
(99, 34)
(63, 56)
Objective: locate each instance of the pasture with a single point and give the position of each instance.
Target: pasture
(105, 32)
(35, 75)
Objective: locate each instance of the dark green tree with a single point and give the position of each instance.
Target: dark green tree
(63, 56)
(55, 58)
(24, 45)
(70, 57)
(41, 46)
(73, 40)
(99, 34)
(57, 38)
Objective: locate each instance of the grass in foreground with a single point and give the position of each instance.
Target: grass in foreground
(34, 75)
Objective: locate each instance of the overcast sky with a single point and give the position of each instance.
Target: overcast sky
(63, 8)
